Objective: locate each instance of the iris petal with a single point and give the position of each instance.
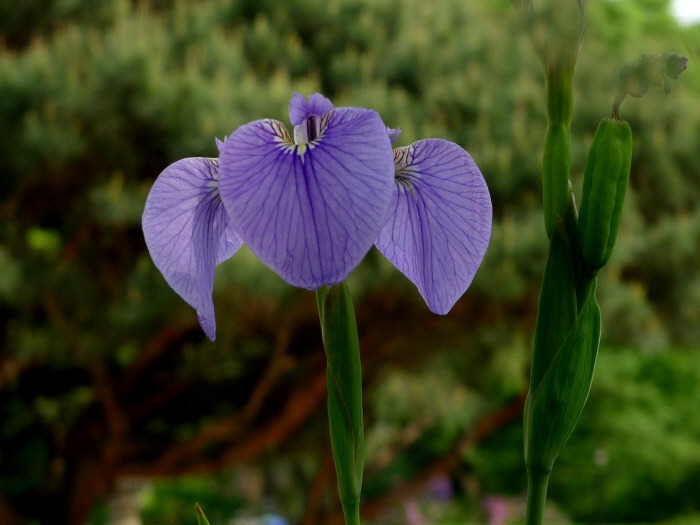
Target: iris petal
(309, 211)
(315, 106)
(439, 221)
(188, 232)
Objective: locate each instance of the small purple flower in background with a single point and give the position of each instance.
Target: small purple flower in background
(310, 207)
(440, 488)
(497, 508)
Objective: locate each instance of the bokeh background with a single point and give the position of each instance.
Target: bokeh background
(114, 407)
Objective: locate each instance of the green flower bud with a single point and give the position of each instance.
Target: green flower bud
(604, 186)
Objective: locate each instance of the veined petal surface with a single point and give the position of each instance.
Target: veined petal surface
(439, 221)
(309, 211)
(188, 232)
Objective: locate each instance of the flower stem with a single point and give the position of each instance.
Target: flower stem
(351, 512)
(559, 88)
(556, 162)
(537, 481)
(344, 372)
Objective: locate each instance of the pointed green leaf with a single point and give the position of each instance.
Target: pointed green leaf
(557, 308)
(201, 518)
(555, 404)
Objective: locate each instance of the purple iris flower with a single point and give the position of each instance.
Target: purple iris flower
(311, 205)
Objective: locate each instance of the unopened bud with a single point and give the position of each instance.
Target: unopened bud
(604, 187)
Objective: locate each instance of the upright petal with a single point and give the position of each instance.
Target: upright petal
(394, 134)
(315, 106)
(310, 211)
(439, 221)
(188, 232)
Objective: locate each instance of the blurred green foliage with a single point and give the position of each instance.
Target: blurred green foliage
(634, 456)
(101, 364)
(171, 502)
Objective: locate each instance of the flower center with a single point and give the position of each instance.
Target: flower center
(405, 174)
(307, 131)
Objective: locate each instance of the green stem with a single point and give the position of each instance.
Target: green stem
(537, 481)
(556, 161)
(559, 85)
(344, 372)
(351, 512)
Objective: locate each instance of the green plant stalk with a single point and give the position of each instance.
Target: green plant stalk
(555, 315)
(556, 311)
(537, 482)
(567, 334)
(554, 404)
(559, 87)
(566, 345)
(568, 320)
(556, 160)
(344, 373)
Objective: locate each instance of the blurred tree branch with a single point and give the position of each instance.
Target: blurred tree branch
(449, 462)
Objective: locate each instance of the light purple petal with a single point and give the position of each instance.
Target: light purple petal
(188, 232)
(439, 221)
(394, 134)
(300, 108)
(309, 211)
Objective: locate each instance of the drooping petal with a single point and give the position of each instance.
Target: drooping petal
(315, 106)
(309, 211)
(439, 221)
(188, 232)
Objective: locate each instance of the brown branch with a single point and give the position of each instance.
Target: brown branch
(296, 411)
(227, 428)
(91, 481)
(162, 396)
(54, 311)
(408, 436)
(319, 487)
(10, 370)
(116, 427)
(157, 344)
(278, 364)
(8, 516)
(166, 337)
(179, 461)
(116, 419)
